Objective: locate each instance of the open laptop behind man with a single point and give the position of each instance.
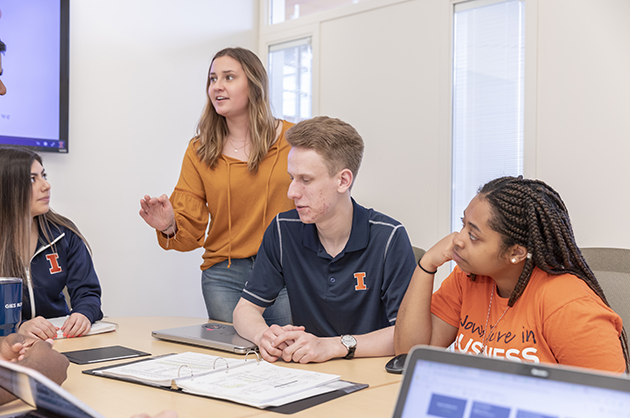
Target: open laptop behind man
(345, 267)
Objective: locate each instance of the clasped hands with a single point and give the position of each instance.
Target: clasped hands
(35, 354)
(293, 343)
(13, 347)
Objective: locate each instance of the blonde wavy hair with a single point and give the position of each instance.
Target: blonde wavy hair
(212, 130)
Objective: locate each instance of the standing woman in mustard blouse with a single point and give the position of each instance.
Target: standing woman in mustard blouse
(234, 174)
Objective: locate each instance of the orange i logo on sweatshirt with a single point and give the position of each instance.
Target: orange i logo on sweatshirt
(54, 263)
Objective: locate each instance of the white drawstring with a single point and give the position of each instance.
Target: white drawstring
(29, 283)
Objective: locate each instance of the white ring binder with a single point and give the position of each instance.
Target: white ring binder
(227, 365)
(180, 370)
(257, 356)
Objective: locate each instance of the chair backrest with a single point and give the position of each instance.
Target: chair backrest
(611, 266)
(418, 253)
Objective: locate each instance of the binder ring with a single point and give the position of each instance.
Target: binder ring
(227, 365)
(257, 356)
(180, 369)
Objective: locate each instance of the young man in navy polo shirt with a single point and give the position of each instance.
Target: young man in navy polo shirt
(346, 268)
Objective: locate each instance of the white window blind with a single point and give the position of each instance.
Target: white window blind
(488, 105)
(291, 79)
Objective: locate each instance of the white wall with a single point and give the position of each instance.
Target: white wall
(137, 81)
(138, 70)
(387, 72)
(583, 146)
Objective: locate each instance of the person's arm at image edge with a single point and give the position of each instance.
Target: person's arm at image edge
(11, 349)
(39, 356)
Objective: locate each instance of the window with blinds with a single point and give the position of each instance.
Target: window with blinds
(488, 89)
(291, 78)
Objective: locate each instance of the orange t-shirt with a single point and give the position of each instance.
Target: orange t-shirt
(238, 203)
(557, 319)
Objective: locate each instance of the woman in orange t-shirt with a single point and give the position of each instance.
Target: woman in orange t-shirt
(521, 289)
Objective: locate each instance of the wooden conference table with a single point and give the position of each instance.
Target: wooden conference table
(114, 398)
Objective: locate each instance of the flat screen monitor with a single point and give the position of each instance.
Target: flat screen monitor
(34, 110)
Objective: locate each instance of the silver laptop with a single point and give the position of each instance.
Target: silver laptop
(442, 384)
(212, 335)
(44, 397)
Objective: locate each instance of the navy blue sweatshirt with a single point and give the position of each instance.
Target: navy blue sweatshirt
(65, 262)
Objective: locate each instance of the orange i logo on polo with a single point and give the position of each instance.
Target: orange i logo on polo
(360, 281)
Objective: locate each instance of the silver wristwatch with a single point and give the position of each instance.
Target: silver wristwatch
(350, 343)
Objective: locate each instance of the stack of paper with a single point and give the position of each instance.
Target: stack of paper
(97, 328)
(250, 382)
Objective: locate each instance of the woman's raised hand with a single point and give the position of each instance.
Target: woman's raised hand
(157, 212)
(440, 253)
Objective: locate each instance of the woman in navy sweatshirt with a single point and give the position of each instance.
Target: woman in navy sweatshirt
(45, 249)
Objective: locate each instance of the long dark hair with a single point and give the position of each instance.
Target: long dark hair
(531, 214)
(15, 221)
(15, 212)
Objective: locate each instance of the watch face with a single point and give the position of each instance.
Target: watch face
(349, 341)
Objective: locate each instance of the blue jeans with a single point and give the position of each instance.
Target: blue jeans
(222, 288)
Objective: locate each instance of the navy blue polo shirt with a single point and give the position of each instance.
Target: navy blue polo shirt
(356, 292)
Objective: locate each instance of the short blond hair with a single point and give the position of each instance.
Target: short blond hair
(339, 144)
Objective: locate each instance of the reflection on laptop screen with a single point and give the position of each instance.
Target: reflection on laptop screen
(453, 391)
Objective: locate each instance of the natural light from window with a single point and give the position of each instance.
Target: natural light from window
(291, 78)
(488, 90)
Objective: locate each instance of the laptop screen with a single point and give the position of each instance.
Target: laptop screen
(442, 389)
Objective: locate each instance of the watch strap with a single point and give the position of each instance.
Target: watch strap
(350, 346)
(350, 354)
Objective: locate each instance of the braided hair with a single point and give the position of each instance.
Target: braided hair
(531, 214)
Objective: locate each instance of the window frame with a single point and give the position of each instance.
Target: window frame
(279, 37)
(307, 26)
(282, 46)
